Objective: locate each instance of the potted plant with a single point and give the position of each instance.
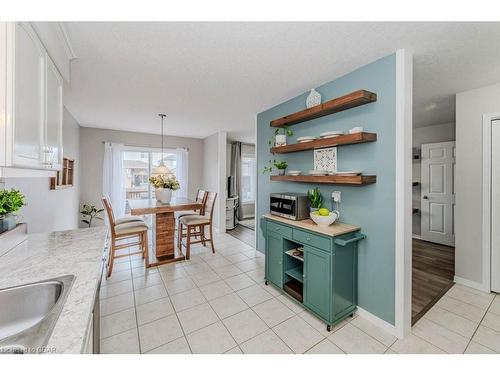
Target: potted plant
(315, 199)
(280, 135)
(89, 213)
(164, 185)
(279, 165)
(11, 201)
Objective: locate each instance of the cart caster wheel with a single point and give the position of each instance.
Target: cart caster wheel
(265, 282)
(329, 328)
(351, 315)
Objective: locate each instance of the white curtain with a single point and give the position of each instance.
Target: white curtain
(112, 177)
(182, 171)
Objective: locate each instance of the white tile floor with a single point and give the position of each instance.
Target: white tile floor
(218, 303)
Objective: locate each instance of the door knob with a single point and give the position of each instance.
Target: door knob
(425, 197)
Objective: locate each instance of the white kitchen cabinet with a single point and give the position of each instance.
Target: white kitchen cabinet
(31, 94)
(54, 117)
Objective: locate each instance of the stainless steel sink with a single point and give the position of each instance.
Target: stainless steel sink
(28, 314)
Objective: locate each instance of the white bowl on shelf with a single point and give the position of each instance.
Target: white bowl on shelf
(324, 221)
(356, 129)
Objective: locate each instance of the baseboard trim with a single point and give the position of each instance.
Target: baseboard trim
(416, 236)
(471, 284)
(380, 323)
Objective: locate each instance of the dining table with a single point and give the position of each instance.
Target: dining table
(163, 249)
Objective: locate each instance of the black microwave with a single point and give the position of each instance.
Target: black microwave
(293, 206)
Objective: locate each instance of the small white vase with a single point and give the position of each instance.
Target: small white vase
(313, 99)
(280, 140)
(163, 195)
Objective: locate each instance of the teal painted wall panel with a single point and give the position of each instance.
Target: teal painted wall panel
(372, 206)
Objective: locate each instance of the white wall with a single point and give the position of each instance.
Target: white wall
(428, 134)
(52, 210)
(214, 174)
(92, 151)
(470, 107)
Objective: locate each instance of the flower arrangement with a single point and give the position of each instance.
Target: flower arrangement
(165, 182)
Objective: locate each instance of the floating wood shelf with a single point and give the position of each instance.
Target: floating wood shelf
(64, 178)
(347, 139)
(354, 99)
(337, 180)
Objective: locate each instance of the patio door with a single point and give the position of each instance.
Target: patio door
(138, 167)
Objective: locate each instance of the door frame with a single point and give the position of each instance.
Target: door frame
(486, 237)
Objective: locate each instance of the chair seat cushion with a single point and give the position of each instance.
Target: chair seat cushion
(179, 214)
(132, 227)
(129, 219)
(194, 220)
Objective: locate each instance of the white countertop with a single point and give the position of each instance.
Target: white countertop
(47, 255)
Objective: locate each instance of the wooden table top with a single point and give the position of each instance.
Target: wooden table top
(333, 230)
(152, 206)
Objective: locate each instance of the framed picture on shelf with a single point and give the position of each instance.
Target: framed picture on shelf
(325, 159)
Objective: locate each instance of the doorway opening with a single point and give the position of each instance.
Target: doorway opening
(433, 244)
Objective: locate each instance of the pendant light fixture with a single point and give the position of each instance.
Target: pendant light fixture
(162, 168)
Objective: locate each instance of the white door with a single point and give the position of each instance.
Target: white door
(29, 113)
(438, 193)
(495, 206)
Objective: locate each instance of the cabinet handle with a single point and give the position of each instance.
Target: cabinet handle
(308, 239)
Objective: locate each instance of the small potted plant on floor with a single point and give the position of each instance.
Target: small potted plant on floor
(281, 166)
(315, 199)
(11, 201)
(164, 185)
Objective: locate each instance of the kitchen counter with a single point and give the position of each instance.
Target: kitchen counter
(48, 255)
(336, 229)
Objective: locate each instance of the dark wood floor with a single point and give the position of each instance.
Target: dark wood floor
(433, 271)
(243, 234)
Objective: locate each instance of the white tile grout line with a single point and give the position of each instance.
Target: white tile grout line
(470, 340)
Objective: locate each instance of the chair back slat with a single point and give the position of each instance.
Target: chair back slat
(201, 197)
(109, 213)
(210, 204)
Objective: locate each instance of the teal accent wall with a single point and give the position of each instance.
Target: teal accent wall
(372, 206)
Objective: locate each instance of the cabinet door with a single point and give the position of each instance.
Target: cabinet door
(29, 104)
(54, 117)
(318, 281)
(274, 258)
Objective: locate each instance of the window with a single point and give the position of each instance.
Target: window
(138, 166)
(248, 174)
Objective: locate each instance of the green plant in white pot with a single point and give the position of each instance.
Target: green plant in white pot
(11, 201)
(315, 199)
(164, 186)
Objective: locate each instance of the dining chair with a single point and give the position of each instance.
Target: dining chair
(195, 226)
(137, 230)
(125, 219)
(201, 197)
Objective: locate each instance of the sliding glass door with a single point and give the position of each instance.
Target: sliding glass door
(138, 167)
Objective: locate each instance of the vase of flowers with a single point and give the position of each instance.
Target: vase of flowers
(11, 201)
(164, 185)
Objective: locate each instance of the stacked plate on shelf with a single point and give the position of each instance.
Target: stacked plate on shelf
(318, 173)
(331, 134)
(345, 173)
(294, 173)
(306, 139)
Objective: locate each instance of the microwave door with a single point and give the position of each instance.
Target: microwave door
(285, 207)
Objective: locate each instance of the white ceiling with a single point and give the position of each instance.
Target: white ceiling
(217, 76)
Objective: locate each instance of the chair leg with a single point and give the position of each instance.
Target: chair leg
(141, 238)
(111, 257)
(212, 239)
(202, 235)
(145, 246)
(188, 243)
(179, 236)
